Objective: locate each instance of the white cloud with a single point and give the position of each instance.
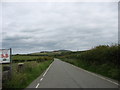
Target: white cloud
(51, 26)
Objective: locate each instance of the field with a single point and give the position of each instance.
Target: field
(21, 78)
(24, 58)
(102, 59)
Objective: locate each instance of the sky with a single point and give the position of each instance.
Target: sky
(44, 26)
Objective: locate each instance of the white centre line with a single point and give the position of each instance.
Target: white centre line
(37, 85)
(41, 79)
(47, 70)
(44, 74)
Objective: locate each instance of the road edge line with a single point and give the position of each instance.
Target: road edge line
(96, 75)
(41, 79)
(47, 69)
(37, 85)
(44, 74)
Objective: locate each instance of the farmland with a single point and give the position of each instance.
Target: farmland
(23, 58)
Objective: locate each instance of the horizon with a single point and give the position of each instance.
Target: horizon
(64, 49)
(33, 27)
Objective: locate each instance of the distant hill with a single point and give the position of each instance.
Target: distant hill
(50, 52)
(62, 51)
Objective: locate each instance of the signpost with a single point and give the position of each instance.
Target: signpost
(5, 55)
(6, 58)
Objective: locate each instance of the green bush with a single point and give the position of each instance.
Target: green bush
(102, 59)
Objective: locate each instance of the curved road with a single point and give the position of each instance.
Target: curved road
(64, 75)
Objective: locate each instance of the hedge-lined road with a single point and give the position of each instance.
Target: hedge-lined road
(64, 75)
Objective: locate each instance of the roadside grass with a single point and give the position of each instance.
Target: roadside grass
(102, 59)
(29, 73)
(104, 69)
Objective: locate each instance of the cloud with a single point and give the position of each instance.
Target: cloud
(31, 27)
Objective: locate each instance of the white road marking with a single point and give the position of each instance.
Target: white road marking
(44, 74)
(41, 79)
(97, 75)
(37, 85)
(47, 70)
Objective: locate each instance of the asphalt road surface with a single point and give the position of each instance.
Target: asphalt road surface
(64, 75)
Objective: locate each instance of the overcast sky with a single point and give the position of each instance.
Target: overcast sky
(33, 27)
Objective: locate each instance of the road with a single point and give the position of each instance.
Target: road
(64, 75)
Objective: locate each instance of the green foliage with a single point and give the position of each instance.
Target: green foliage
(102, 59)
(30, 72)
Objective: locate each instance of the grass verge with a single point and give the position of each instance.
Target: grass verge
(104, 69)
(103, 59)
(30, 72)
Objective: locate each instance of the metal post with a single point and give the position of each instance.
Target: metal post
(10, 62)
(1, 73)
(10, 56)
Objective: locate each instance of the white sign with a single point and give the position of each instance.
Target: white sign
(4, 55)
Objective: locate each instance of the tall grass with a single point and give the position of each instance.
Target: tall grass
(102, 59)
(31, 71)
